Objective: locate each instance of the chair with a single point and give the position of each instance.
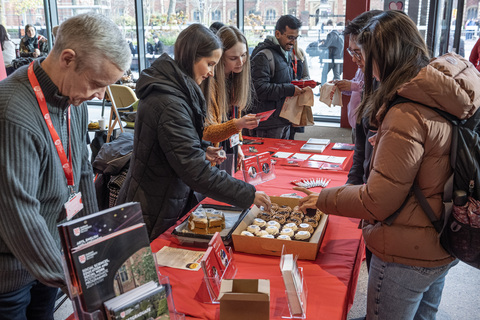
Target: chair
(122, 98)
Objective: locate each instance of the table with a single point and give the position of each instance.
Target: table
(331, 278)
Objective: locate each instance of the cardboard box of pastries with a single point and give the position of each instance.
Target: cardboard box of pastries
(306, 249)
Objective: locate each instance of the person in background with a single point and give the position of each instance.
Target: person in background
(354, 87)
(8, 49)
(409, 265)
(54, 32)
(272, 75)
(32, 45)
(170, 160)
(475, 55)
(299, 62)
(231, 95)
(334, 45)
(216, 26)
(156, 47)
(39, 172)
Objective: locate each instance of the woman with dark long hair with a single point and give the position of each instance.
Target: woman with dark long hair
(33, 45)
(409, 265)
(8, 49)
(170, 161)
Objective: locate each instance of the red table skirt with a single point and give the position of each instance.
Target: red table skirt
(331, 279)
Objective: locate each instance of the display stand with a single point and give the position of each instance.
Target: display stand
(259, 175)
(213, 283)
(174, 315)
(295, 287)
(80, 314)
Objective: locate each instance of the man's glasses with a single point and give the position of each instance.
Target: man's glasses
(292, 38)
(355, 54)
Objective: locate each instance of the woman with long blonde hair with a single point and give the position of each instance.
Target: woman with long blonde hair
(230, 95)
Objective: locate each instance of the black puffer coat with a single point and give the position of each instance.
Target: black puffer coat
(168, 158)
(271, 91)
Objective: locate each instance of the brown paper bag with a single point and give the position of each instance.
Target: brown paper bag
(294, 107)
(306, 118)
(326, 95)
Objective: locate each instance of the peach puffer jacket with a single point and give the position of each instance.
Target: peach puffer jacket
(413, 142)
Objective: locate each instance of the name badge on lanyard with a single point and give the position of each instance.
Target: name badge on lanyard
(234, 140)
(74, 203)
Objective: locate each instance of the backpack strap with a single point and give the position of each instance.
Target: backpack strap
(439, 224)
(268, 53)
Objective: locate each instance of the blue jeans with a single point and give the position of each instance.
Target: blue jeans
(397, 291)
(33, 301)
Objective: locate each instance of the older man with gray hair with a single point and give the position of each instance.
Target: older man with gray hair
(45, 174)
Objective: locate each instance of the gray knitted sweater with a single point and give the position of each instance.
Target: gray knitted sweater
(33, 187)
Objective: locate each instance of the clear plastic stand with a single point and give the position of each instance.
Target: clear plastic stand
(265, 174)
(213, 283)
(174, 315)
(81, 314)
(297, 291)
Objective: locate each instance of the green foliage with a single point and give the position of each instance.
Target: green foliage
(23, 6)
(162, 307)
(144, 268)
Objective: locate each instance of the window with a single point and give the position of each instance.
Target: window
(216, 15)
(270, 15)
(196, 15)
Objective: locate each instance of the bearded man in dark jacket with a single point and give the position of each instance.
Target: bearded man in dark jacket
(272, 74)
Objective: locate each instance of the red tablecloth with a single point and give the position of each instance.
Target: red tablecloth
(331, 279)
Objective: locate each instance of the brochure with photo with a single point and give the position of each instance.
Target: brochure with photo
(251, 171)
(266, 166)
(343, 146)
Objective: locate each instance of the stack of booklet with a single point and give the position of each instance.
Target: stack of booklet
(106, 255)
(315, 145)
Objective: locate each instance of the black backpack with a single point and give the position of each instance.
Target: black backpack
(459, 226)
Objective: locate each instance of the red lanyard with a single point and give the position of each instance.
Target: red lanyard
(294, 64)
(66, 163)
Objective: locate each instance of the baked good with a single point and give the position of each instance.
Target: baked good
(302, 235)
(305, 227)
(311, 221)
(206, 221)
(291, 225)
(297, 214)
(282, 212)
(273, 230)
(295, 220)
(285, 208)
(246, 233)
(261, 233)
(279, 218)
(287, 231)
(273, 223)
(284, 237)
(274, 206)
(268, 236)
(259, 222)
(264, 215)
(253, 229)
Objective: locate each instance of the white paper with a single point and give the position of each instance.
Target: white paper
(301, 156)
(331, 159)
(283, 155)
(179, 258)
